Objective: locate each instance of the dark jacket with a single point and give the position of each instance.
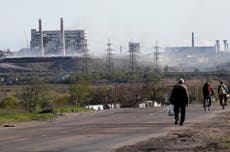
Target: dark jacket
(179, 95)
(207, 90)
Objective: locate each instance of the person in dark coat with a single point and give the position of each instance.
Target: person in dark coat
(179, 98)
(207, 93)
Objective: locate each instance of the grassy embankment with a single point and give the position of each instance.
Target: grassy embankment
(12, 117)
(19, 115)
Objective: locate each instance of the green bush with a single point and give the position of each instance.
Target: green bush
(60, 100)
(8, 103)
(32, 95)
(79, 92)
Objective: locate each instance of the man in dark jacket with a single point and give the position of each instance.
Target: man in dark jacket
(179, 98)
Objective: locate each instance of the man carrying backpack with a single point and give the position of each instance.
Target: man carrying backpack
(207, 93)
(222, 92)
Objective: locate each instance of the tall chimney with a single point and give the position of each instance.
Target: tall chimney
(218, 46)
(62, 38)
(192, 42)
(41, 38)
(192, 39)
(225, 45)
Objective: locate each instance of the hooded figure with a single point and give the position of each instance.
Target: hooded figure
(179, 98)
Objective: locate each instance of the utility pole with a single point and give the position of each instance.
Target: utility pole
(132, 58)
(156, 55)
(85, 60)
(134, 49)
(109, 59)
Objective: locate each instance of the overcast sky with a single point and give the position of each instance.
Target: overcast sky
(168, 21)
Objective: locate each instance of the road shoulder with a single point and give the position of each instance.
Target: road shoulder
(212, 134)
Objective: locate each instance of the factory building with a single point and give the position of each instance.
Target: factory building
(59, 42)
(217, 48)
(197, 51)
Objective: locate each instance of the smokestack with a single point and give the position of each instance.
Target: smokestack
(192, 39)
(225, 45)
(41, 38)
(218, 46)
(62, 38)
(192, 42)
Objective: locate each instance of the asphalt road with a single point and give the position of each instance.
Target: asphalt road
(98, 131)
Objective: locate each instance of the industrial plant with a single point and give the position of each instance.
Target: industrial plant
(60, 42)
(197, 57)
(63, 49)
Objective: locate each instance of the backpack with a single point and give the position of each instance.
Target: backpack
(222, 90)
(210, 90)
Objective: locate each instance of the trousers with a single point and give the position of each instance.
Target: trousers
(179, 109)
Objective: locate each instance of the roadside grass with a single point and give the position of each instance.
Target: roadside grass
(24, 117)
(21, 116)
(69, 109)
(222, 141)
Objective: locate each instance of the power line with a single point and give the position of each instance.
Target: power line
(133, 49)
(109, 59)
(86, 58)
(156, 55)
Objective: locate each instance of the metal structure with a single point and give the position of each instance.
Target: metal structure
(109, 59)
(60, 42)
(156, 55)
(134, 48)
(86, 60)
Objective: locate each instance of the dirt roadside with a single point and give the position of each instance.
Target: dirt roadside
(210, 135)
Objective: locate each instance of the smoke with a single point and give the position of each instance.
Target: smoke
(201, 61)
(178, 59)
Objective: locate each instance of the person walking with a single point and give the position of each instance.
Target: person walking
(207, 93)
(222, 92)
(179, 98)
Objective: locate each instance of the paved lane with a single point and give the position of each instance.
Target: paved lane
(100, 131)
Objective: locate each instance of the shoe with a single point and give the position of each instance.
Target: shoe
(225, 104)
(176, 122)
(181, 124)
